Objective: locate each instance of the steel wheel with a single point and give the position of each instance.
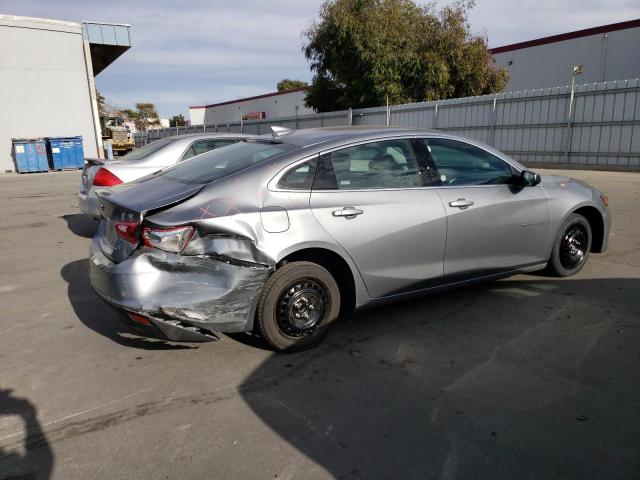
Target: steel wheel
(301, 307)
(297, 305)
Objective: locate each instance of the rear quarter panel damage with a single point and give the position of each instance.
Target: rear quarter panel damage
(211, 291)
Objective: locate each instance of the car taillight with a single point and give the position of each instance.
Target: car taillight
(141, 319)
(104, 178)
(127, 231)
(173, 239)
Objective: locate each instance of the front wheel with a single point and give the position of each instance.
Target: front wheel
(571, 247)
(297, 305)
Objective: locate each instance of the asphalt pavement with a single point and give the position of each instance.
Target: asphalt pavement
(525, 378)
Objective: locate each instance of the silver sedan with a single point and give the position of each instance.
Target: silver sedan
(144, 161)
(282, 233)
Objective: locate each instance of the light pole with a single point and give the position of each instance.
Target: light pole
(576, 70)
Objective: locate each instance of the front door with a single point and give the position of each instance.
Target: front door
(370, 199)
(492, 224)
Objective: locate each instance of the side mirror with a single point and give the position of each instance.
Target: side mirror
(529, 179)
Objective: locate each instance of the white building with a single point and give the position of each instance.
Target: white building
(609, 52)
(47, 81)
(271, 105)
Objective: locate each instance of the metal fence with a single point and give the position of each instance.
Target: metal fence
(596, 127)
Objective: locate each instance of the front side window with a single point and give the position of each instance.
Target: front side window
(376, 165)
(460, 163)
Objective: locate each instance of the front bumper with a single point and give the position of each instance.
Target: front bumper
(183, 296)
(88, 204)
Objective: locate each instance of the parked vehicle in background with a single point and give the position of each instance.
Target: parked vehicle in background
(115, 131)
(279, 234)
(143, 161)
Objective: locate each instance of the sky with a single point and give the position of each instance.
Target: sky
(197, 52)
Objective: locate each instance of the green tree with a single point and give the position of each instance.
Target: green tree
(177, 121)
(100, 100)
(363, 52)
(288, 84)
(144, 116)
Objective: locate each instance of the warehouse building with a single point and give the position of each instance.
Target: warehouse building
(47, 83)
(271, 105)
(609, 52)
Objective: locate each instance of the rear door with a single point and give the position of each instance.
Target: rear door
(370, 198)
(493, 225)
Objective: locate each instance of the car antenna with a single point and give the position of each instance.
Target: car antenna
(277, 132)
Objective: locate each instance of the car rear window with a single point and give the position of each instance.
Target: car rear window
(143, 152)
(219, 163)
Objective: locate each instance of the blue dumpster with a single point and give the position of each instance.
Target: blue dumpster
(65, 152)
(30, 155)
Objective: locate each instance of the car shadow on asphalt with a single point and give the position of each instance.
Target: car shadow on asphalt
(80, 224)
(27, 456)
(529, 377)
(94, 313)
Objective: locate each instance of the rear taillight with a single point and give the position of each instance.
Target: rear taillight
(127, 231)
(104, 178)
(173, 239)
(141, 319)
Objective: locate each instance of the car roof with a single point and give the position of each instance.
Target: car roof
(205, 135)
(313, 136)
(314, 140)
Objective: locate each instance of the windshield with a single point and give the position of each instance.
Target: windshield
(225, 161)
(143, 152)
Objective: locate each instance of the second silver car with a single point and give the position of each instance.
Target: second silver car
(144, 161)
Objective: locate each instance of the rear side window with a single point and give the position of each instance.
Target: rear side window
(143, 152)
(221, 162)
(376, 165)
(299, 177)
(203, 146)
(460, 163)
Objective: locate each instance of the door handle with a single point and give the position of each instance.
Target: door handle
(348, 212)
(461, 203)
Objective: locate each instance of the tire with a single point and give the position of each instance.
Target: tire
(571, 247)
(297, 288)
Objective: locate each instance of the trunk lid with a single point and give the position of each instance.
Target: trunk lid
(123, 210)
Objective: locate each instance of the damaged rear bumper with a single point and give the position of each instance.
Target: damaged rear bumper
(185, 297)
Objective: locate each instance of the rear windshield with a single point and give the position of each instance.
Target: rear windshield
(143, 152)
(216, 164)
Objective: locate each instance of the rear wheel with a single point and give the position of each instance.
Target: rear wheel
(571, 248)
(297, 305)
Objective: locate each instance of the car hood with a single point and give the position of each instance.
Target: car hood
(152, 194)
(554, 182)
(562, 181)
